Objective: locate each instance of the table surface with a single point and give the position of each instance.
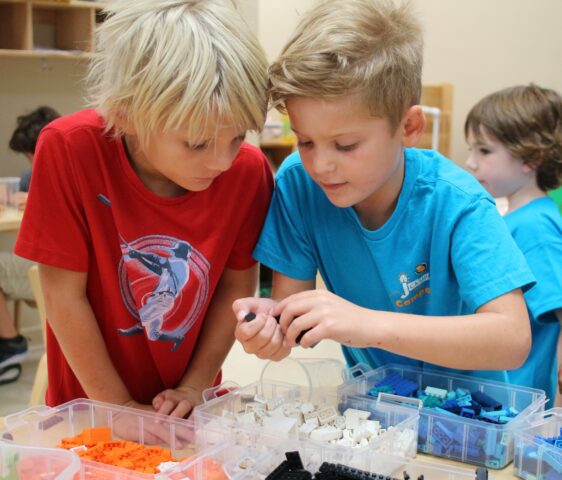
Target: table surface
(503, 474)
(10, 219)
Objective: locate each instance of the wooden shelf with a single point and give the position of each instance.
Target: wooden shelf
(48, 29)
(55, 54)
(440, 96)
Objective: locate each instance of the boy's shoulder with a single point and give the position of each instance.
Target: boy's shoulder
(535, 223)
(444, 176)
(88, 119)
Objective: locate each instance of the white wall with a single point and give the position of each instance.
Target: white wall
(477, 45)
(481, 46)
(26, 83)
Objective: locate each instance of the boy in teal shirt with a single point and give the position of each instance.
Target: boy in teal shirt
(515, 138)
(419, 266)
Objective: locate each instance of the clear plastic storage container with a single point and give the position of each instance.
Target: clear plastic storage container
(313, 455)
(536, 459)
(44, 427)
(446, 435)
(400, 422)
(30, 463)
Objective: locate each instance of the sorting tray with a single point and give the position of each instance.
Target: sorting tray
(458, 438)
(216, 415)
(43, 428)
(536, 459)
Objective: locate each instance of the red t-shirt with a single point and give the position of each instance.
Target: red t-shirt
(153, 263)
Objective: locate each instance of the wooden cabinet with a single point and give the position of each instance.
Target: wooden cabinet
(40, 28)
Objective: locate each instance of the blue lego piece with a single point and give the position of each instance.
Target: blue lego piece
(400, 385)
(446, 412)
(467, 412)
(485, 401)
(440, 434)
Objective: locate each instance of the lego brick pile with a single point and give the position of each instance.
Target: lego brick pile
(293, 469)
(96, 444)
(319, 422)
(458, 402)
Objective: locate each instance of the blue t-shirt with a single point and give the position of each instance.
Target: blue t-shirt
(537, 230)
(445, 250)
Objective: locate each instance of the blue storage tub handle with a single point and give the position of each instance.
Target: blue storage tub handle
(358, 370)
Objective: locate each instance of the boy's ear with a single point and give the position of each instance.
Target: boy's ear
(413, 125)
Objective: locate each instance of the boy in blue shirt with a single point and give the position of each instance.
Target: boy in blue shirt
(515, 138)
(419, 266)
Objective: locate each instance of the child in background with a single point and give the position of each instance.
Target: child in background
(515, 139)
(14, 284)
(419, 266)
(144, 212)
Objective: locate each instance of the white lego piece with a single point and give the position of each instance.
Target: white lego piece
(326, 433)
(351, 422)
(339, 422)
(310, 415)
(360, 414)
(435, 392)
(345, 442)
(260, 399)
(254, 406)
(246, 418)
(279, 424)
(307, 427)
(372, 426)
(327, 415)
(165, 466)
(307, 407)
(274, 403)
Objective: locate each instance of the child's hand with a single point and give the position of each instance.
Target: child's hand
(322, 314)
(178, 402)
(262, 335)
(126, 426)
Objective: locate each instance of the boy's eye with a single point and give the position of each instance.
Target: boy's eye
(484, 151)
(197, 146)
(302, 144)
(346, 148)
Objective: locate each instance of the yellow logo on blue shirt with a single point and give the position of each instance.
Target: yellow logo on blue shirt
(413, 286)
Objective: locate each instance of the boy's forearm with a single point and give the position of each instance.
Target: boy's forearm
(217, 333)
(74, 324)
(487, 340)
(79, 336)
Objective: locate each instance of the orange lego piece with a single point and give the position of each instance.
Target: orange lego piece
(98, 434)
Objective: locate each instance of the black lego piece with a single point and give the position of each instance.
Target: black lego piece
(481, 473)
(294, 461)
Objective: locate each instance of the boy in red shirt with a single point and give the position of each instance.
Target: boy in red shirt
(144, 212)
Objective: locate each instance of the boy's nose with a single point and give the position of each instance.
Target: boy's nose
(322, 164)
(470, 163)
(220, 161)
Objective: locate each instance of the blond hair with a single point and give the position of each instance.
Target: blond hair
(165, 64)
(373, 47)
(527, 120)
